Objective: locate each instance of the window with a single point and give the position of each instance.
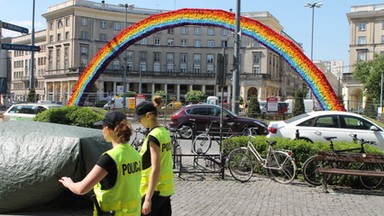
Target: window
(170, 31)
(210, 43)
(210, 68)
(196, 58)
(170, 68)
(223, 32)
(84, 50)
(66, 35)
(224, 43)
(361, 56)
(84, 21)
(362, 26)
(197, 31)
(116, 65)
(129, 56)
(183, 57)
(143, 56)
(170, 42)
(58, 63)
(210, 58)
(184, 42)
(59, 37)
(156, 41)
(50, 38)
(355, 123)
(143, 66)
(170, 57)
(196, 68)
(51, 26)
(103, 24)
(84, 35)
(66, 57)
(327, 121)
(117, 26)
(59, 24)
(144, 41)
(256, 69)
(256, 58)
(382, 39)
(183, 68)
(67, 23)
(197, 43)
(362, 40)
(210, 31)
(156, 56)
(103, 37)
(184, 30)
(156, 67)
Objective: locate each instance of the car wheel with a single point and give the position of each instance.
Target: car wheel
(185, 131)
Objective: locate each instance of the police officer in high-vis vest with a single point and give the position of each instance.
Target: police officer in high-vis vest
(157, 183)
(116, 176)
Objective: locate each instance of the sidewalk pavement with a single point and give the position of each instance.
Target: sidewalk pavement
(200, 194)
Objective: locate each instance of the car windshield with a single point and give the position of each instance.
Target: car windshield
(296, 118)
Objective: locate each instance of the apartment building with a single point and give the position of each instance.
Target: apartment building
(366, 24)
(175, 60)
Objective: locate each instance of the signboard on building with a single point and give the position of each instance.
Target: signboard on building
(272, 104)
(20, 47)
(140, 98)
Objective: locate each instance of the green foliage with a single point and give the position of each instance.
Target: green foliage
(195, 96)
(301, 149)
(161, 93)
(31, 96)
(369, 109)
(101, 103)
(298, 107)
(128, 94)
(72, 115)
(369, 73)
(253, 107)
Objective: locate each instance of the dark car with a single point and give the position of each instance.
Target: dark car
(203, 114)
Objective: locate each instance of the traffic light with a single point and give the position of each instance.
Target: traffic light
(221, 69)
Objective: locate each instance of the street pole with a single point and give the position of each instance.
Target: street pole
(31, 69)
(125, 65)
(312, 6)
(381, 95)
(236, 71)
(140, 90)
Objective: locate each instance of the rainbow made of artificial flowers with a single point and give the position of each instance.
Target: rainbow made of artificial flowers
(309, 72)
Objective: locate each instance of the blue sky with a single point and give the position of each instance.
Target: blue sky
(331, 29)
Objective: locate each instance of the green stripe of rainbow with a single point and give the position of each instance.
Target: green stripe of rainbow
(315, 79)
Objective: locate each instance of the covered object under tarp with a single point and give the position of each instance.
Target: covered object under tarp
(34, 155)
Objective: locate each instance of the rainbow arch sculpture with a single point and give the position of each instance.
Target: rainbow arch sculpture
(315, 79)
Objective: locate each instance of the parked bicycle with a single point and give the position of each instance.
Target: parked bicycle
(139, 137)
(203, 142)
(311, 165)
(280, 164)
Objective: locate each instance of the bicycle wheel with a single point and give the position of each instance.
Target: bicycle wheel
(371, 182)
(281, 167)
(310, 173)
(201, 144)
(240, 164)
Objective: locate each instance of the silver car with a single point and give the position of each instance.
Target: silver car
(25, 111)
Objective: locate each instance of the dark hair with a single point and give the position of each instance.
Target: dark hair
(123, 131)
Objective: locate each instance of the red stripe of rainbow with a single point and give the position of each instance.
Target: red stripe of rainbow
(315, 79)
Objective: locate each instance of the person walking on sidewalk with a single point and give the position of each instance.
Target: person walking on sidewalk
(157, 184)
(116, 177)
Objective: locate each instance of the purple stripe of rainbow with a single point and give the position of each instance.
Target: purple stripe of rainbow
(315, 79)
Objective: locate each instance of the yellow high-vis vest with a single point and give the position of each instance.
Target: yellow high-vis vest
(124, 197)
(165, 185)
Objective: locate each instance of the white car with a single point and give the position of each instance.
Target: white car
(314, 126)
(26, 111)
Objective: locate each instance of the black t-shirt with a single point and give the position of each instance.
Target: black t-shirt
(108, 164)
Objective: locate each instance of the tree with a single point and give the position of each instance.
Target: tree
(195, 96)
(369, 73)
(161, 93)
(298, 107)
(31, 96)
(253, 107)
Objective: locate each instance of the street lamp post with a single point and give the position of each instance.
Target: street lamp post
(125, 61)
(312, 6)
(318, 5)
(32, 75)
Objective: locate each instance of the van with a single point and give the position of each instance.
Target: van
(309, 105)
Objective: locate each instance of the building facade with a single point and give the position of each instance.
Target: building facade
(175, 60)
(366, 24)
